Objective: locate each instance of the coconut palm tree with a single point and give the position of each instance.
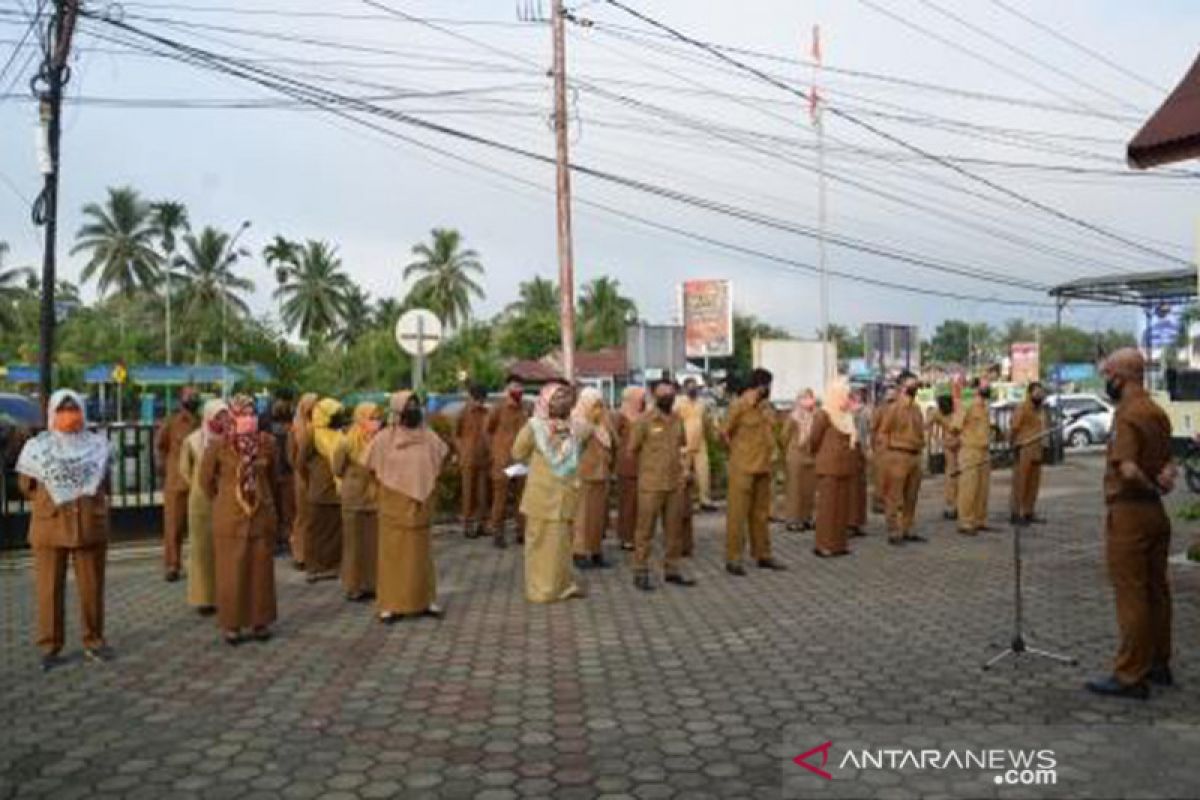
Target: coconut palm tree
(313, 296)
(356, 316)
(605, 313)
(208, 288)
(281, 255)
(11, 287)
(446, 276)
(387, 311)
(536, 296)
(168, 218)
(119, 238)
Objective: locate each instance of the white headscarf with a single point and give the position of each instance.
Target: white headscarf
(69, 465)
(202, 437)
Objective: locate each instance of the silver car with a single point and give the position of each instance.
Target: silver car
(1087, 418)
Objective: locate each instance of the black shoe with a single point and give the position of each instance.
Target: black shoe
(1033, 519)
(948, 514)
(679, 580)
(298, 566)
(1161, 675)
(49, 662)
(172, 576)
(808, 526)
(388, 618)
(708, 507)
(895, 541)
(261, 634)
(642, 581)
(792, 527)
(736, 569)
(232, 639)
(1111, 687)
(582, 562)
(915, 537)
(499, 541)
(520, 538)
(100, 655)
(206, 611)
(772, 564)
(857, 533)
(599, 562)
(1016, 519)
(433, 611)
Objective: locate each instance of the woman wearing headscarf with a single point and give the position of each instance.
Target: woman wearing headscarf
(297, 441)
(595, 470)
(64, 471)
(280, 426)
(236, 472)
(406, 459)
(801, 484)
(633, 405)
(858, 483)
(360, 514)
(551, 445)
(833, 441)
(216, 423)
(323, 549)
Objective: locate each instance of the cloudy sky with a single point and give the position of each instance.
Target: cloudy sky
(1023, 104)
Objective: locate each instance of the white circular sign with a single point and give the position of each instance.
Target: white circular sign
(418, 332)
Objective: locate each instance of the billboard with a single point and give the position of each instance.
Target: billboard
(1160, 329)
(796, 365)
(708, 318)
(890, 348)
(653, 350)
(1025, 364)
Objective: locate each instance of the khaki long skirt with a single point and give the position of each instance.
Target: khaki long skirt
(592, 520)
(407, 581)
(360, 551)
(202, 566)
(323, 548)
(245, 570)
(549, 572)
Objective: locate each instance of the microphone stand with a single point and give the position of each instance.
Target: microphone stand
(1019, 644)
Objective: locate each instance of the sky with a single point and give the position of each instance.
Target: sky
(1013, 106)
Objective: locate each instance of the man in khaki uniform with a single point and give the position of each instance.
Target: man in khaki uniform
(1138, 531)
(168, 446)
(974, 462)
(902, 436)
(945, 428)
(503, 424)
(749, 433)
(1027, 440)
(474, 461)
(875, 467)
(697, 425)
(658, 441)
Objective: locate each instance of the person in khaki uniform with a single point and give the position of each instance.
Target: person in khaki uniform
(974, 462)
(859, 484)
(1137, 474)
(750, 435)
(64, 471)
(595, 471)
(1027, 439)
(901, 438)
(202, 567)
(297, 443)
(660, 443)
(238, 473)
(360, 512)
(503, 424)
(801, 492)
(474, 461)
(168, 445)
(832, 443)
(945, 431)
(323, 550)
(633, 405)
(875, 467)
(698, 427)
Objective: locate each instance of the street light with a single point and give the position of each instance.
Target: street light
(225, 306)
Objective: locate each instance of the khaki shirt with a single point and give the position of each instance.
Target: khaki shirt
(168, 444)
(947, 427)
(902, 427)
(80, 523)
(750, 430)
(1028, 424)
(831, 448)
(877, 415)
(503, 424)
(470, 436)
(220, 470)
(317, 473)
(977, 426)
(658, 441)
(696, 424)
(627, 460)
(360, 487)
(596, 460)
(547, 497)
(1141, 434)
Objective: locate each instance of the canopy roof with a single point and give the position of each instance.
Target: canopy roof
(1173, 132)
(1133, 288)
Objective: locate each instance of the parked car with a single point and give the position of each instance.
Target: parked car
(19, 411)
(1087, 418)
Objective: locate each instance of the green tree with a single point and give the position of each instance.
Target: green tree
(169, 218)
(604, 314)
(386, 313)
(1017, 330)
(849, 345)
(12, 288)
(283, 256)
(950, 342)
(210, 294)
(356, 316)
(119, 239)
(536, 296)
(313, 296)
(530, 336)
(445, 276)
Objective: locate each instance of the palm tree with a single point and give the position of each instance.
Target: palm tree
(208, 286)
(168, 218)
(119, 237)
(444, 274)
(387, 312)
(281, 255)
(536, 296)
(11, 289)
(313, 296)
(605, 313)
(356, 316)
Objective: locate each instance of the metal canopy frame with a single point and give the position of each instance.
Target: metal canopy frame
(1140, 289)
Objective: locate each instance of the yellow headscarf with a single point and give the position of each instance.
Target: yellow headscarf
(360, 435)
(325, 439)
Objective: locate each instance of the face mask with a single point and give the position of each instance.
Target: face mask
(411, 417)
(985, 393)
(216, 427)
(693, 393)
(372, 426)
(1037, 400)
(1113, 389)
(68, 420)
(191, 405)
(911, 391)
(665, 403)
(515, 394)
(764, 393)
(246, 425)
(945, 405)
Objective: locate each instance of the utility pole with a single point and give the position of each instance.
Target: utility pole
(49, 82)
(566, 265)
(822, 264)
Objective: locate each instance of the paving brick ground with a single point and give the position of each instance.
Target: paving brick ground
(681, 693)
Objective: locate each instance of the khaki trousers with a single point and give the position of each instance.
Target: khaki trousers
(950, 484)
(591, 518)
(474, 493)
(654, 508)
(698, 466)
(858, 496)
(1027, 480)
(749, 508)
(627, 502)
(902, 487)
(973, 484)
(174, 528)
(875, 471)
(506, 493)
(801, 489)
(50, 583)
(1138, 540)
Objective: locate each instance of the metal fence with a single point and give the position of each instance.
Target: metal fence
(1002, 455)
(134, 482)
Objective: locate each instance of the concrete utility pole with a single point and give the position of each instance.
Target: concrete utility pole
(815, 110)
(566, 265)
(50, 81)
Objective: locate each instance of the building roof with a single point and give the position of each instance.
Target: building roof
(1173, 132)
(1132, 288)
(608, 362)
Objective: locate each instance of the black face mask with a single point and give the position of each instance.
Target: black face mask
(766, 392)
(1037, 401)
(986, 394)
(191, 406)
(693, 393)
(1112, 389)
(411, 417)
(665, 403)
(945, 405)
(911, 391)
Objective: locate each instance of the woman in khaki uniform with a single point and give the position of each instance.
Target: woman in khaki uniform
(323, 549)
(595, 470)
(297, 441)
(633, 405)
(63, 472)
(236, 472)
(360, 514)
(833, 442)
(801, 467)
(201, 572)
(859, 484)
(406, 458)
(550, 445)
